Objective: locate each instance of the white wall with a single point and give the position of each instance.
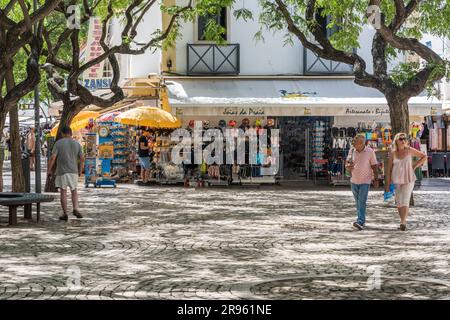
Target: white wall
(270, 57)
(446, 85)
(135, 66)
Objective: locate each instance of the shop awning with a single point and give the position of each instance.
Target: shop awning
(284, 97)
(446, 107)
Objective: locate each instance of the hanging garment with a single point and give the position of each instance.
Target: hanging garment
(430, 124)
(440, 122)
(440, 145)
(415, 143)
(203, 168)
(256, 171)
(448, 139)
(434, 138)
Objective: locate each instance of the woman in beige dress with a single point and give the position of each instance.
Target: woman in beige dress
(401, 173)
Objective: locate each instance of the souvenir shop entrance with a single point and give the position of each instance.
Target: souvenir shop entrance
(303, 146)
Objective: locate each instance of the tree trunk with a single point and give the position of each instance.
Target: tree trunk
(2, 158)
(18, 180)
(399, 113)
(68, 113)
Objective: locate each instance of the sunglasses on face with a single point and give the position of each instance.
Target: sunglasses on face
(402, 139)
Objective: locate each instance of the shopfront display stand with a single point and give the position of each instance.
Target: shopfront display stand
(171, 181)
(259, 180)
(217, 182)
(102, 182)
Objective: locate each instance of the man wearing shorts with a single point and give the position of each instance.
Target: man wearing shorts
(144, 156)
(68, 156)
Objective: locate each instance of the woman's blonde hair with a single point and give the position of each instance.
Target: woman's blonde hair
(397, 136)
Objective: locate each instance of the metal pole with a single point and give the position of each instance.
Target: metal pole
(37, 149)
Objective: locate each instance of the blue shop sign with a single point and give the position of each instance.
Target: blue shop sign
(94, 84)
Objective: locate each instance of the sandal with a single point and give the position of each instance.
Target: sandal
(402, 227)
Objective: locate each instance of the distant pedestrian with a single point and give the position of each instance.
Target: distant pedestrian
(69, 159)
(144, 155)
(363, 165)
(401, 173)
(31, 147)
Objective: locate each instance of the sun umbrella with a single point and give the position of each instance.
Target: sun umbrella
(80, 121)
(149, 117)
(108, 117)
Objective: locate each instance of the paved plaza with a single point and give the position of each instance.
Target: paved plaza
(228, 243)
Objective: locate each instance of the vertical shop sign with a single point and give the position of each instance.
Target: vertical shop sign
(93, 78)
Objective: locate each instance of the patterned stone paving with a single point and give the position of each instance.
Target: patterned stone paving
(268, 243)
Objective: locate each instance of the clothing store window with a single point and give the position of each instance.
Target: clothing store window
(220, 18)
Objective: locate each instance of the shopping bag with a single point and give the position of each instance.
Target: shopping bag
(390, 194)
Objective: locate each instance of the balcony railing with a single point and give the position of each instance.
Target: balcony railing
(313, 65)
(212, 59)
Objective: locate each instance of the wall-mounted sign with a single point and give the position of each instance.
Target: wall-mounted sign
(243, 112)
(93, 77)
(294, 111)
(106, 151)
(103, 131)
(367, 111)
(95, 84)
(296, 95)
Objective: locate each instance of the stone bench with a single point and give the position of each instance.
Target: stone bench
(14, 200)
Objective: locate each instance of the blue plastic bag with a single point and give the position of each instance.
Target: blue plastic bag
(390, 194)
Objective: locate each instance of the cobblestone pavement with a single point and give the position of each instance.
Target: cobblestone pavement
(268, 243)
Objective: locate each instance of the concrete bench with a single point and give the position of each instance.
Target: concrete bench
(14, 200)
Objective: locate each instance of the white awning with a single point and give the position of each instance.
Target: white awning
(318, 97)
(446, 106)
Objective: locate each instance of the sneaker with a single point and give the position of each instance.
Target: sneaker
(358, 226)
(64, 217)
(77, 214)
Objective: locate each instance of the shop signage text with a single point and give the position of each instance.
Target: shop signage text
(243, 112)
(94, 84)
(93, 77)
(368, 111)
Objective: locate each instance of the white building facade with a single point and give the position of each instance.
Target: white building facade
(268, 81)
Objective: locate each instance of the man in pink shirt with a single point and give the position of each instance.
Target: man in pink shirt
(363, 165)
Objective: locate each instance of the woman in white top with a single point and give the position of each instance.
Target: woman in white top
(400, 171)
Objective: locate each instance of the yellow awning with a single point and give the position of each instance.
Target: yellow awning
(149, 117)
(79, 122)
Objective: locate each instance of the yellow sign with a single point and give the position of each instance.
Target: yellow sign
(106, 152)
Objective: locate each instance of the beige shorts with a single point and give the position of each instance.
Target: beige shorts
(67, 180)
(403, 194)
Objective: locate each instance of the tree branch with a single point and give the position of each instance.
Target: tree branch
(39, 14)
(33, 76)
(327, 51)
(129, 17)
(26, 16)
(407, 44)
(141, 16)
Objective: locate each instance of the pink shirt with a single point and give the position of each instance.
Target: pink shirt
(402, 170)
(363, 161)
